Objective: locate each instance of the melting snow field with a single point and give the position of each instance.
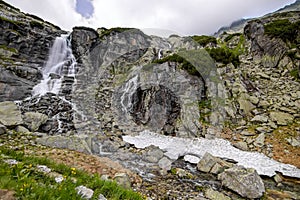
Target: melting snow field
(194, 149)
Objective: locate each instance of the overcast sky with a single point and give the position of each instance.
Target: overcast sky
(184, 17)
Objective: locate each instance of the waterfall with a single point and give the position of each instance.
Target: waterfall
(128, 91)
(61, 62)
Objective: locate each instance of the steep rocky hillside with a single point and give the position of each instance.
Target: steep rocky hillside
(181, 113)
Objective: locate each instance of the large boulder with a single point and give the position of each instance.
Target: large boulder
(34, 120)
(245, 182)
(10, 115)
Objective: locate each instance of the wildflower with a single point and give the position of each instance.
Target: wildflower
(73, 170)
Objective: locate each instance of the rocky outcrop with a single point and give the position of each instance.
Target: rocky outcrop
(25, 41)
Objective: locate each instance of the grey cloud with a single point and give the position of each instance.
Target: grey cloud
(187, 17)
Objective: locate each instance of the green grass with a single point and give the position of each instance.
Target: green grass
(24, 179)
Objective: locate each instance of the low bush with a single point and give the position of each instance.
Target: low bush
(184, 64)
(203, 40)
(283, 29)
(224, 55)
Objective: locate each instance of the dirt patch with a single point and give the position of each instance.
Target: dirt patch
(7, 195)
(283, 151)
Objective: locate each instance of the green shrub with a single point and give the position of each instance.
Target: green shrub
(295, 73)
(203, 40)
(283, 29)
(184, 64)
(224, 55)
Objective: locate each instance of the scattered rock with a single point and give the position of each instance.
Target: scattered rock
(264, 104)
(212, 164)
(254, 100)
(85, 192)
(293, 141)
(101, 197)
(11, 161)
(241, 145)
(281, 118)
(165, 164)
(34, 120)
(247, 133)
(278, 178)
(10, 115)
(245, 182)
(260, 119)
(245, 105)
(43, 169)
(215, 195)
(260, 140)
(22, 129)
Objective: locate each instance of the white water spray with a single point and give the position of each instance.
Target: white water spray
(61, 62)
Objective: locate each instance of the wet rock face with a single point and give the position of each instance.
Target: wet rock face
(59, 113)
(157, 107)
(25, 41)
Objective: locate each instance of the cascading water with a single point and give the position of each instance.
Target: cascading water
(128, 91)
(61, 62)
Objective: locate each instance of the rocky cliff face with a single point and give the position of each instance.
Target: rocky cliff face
(24, 45)
(244, 88)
